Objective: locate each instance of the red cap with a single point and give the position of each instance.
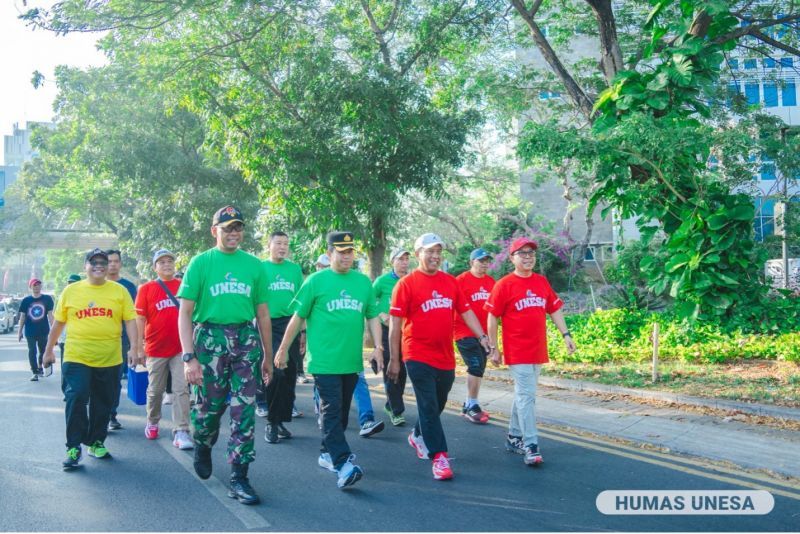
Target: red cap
(520, 242)
(33, 281)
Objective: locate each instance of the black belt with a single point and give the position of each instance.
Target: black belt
(235, 325)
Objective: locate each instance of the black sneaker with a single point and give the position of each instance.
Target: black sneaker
(73, 459)
(271, 433)
(283, 432)
(515, 444)
(113, 424)
(35, 377)
(202, 461)
(370, 428)
(240, 488)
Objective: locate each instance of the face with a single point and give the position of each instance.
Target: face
(36, 289)
(96, 269)
(480, 267)
(114, 264)
(400, 264)
(228, 237)
(165, 267)
(342, 260)
(430, 259)
(279, 247)
(524, 259)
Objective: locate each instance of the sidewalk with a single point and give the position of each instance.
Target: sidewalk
(707, 436)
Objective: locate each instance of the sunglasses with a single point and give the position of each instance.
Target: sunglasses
(232, 228)
(525, 253)
(98, 263)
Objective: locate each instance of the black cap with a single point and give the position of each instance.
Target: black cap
(341, 240)
(96, 252)
(227, 215)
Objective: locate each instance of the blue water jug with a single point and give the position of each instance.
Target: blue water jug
(137, 385)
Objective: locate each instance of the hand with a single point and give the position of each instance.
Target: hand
(484, 341)
(266, 370)
(377, 357)
(384, 317)
(394, 370)
(19, 338)
(302, 343)
(193, 372)
(570, 344)
(280, 358)
(496, 357)
(49, 358)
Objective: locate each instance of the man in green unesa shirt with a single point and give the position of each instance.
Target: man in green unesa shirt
(383, 287)
(222, 292)
(283, 279)
(334, 303)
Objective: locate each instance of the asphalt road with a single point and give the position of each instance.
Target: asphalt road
(150, 486)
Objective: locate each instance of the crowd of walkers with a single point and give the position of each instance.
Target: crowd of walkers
(236, 332)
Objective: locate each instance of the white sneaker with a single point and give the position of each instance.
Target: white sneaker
(419, 446)
(325, 462)
(182, 440)
(167, 399)
(349, 473)
(261, 411)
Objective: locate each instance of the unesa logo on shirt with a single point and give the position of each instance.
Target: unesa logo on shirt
(437, 302)
(231, 286)
(345, 302)
(93, 311)
(531, 300)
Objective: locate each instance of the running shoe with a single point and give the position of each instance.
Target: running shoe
(113, 424)
(419, 445)
(35, 377)
(302, 379)
(474, 414)
(397, 420)
(533, 456)
(325, 462)
(72, 460)
(99, 451)
(515, 444)
(349, 473)
(182, 440)
(370, 428)
(261, 411)
(441, 467)
(167, 398)
(151, 431)
(271, 433)
(283, 432)
(296, 412)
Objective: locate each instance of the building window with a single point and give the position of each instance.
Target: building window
(787, 62)
(771, 95)
(789, 93)
(589, 256)
(752, 93)
(765, 218)
(750, 64)
(769, 63)
(733, 63)
(768, 170)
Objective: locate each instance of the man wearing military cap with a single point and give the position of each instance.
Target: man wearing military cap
(334, 303)
(222, 291)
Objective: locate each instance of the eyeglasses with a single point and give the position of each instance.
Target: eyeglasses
(525, 253)
(232, 228)
(98, 263)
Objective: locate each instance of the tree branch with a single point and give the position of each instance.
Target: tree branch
(423, 46)
(775, 43)
(378, 32)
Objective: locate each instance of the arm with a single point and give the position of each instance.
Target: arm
(292, 329)
(265, 331)
(133, 335)
(192, 369)
(50, 319)
(140, 324)
(395, 335)
(558, 318)
(491, 325)
(475, 325)
(49, 356)
(21, 325)
(374, 325)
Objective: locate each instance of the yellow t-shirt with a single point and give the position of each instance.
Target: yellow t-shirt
(94, 315)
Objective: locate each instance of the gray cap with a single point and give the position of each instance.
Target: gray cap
(161, 253)
(396, 253)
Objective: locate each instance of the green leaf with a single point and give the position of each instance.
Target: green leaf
(717, 222)
(676, 262)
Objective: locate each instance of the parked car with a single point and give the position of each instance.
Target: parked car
(7, 318)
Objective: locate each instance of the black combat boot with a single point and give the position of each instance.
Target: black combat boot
(202, 461)
(240, 486)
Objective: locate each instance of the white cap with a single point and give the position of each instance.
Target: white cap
(428, 241)
(324, 260)
(396, 253)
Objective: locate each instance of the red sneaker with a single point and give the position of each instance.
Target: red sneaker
(151, 431)
(441, 467)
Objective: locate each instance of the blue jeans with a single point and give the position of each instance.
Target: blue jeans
(363, 400)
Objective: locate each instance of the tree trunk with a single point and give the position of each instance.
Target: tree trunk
(377, 248)
(610, 52)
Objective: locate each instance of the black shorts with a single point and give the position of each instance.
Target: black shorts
(473, 355)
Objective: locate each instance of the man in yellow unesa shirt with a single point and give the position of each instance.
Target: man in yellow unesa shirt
(94, 309)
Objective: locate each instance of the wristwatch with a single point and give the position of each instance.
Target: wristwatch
(187, 357)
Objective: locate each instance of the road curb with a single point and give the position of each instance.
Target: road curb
(753, 408)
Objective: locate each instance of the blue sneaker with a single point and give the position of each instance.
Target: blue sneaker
(349, 473)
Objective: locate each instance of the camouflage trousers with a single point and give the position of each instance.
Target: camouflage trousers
(229, 356)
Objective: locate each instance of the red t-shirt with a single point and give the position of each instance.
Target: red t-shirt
(522, 305)
(161, 338)
(427, 303)
(477, 292)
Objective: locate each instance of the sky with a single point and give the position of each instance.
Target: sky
(24, 51)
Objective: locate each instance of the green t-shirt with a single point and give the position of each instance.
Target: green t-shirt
(226, 288)
(383, 287)
(334, 306)
(283, 282)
